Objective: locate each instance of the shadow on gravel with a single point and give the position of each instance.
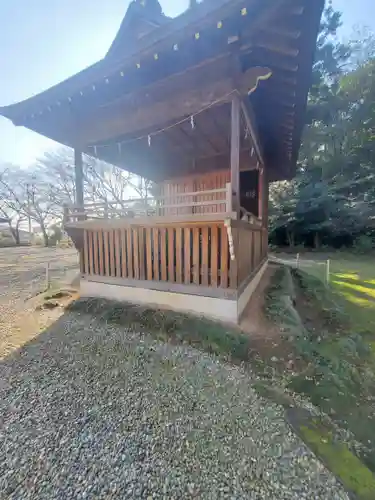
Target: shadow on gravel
(89, 409)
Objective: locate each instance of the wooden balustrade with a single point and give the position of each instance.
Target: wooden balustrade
(213, 201)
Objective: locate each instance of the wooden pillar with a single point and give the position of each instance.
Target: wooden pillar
(235, 153)
(263, 208)
(78, 167)
(261, 193)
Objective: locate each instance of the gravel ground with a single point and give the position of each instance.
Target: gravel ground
(90, 411)
(22, 275)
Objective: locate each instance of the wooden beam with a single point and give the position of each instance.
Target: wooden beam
(283, 31)
(235, 152)
(141, 110)
(278, 48)
(78, 170)
(252, 126)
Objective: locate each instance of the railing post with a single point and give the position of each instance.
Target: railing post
(228, 198)
(65, 214)
(235, 153)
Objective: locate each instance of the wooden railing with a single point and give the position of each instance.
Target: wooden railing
(252, 250)
(181, 255)
(189, 255)
(214, 201)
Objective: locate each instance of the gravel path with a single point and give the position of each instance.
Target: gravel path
(90, 411)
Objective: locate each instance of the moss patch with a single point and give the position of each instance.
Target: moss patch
(210, 336)
(355, 476)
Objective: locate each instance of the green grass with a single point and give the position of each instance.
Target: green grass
(354, 475)
(207, 335)
(337, 345)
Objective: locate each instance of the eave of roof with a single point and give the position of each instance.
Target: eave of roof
(131, 54)
(173, 31)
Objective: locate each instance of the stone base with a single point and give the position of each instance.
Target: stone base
(228, 309)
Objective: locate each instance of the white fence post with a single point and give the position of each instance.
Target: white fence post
(297, 261)
(328, 271)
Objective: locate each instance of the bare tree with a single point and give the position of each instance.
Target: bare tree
(41, 206)
(13, 199)
(39, 192)
(102, 182)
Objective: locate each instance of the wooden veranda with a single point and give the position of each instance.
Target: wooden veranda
(210, 107)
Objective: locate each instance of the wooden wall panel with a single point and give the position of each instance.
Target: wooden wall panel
(224, 257)
(101, 252)
(118, 253)
(179, 255)
(205, 253)
(202, 182)
(214, 256)
(156, 256)
(149, 253)
(187, 255)
(142, 253)
(163, 254)
(85, 252)
(124, 253)
(196, 254)
(171, 255)
(96, 252)
(135, 254)
(130, 252)
(106, 253)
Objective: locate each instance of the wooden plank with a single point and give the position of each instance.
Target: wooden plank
(136, 253)
(252, 250)
(214, 256)
(91, 252)
(123, 253)
(250, 247)
(179, 255)
(142, 253)
(171, 255)
(112, 250)
(101, 252)
(96, 252)
(130, 252)
(251, 126)
(234, 264)
(187, 255)
(156, 259)
(106, 253)
(224, 255)
(205, 250)
(118, 253)
(163, 253)
(235, 152)
(256, 250)
(86, 252)
(261, 197)
(196, 253)
(149, 254)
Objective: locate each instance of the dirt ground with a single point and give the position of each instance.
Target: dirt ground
(22, 277)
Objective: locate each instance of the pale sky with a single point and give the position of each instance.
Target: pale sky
(42, 42)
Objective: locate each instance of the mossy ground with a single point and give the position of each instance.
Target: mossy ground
(335, 346)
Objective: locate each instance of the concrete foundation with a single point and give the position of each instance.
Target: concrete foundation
(223, 309)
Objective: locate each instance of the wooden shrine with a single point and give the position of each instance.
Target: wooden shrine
(210, 106)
